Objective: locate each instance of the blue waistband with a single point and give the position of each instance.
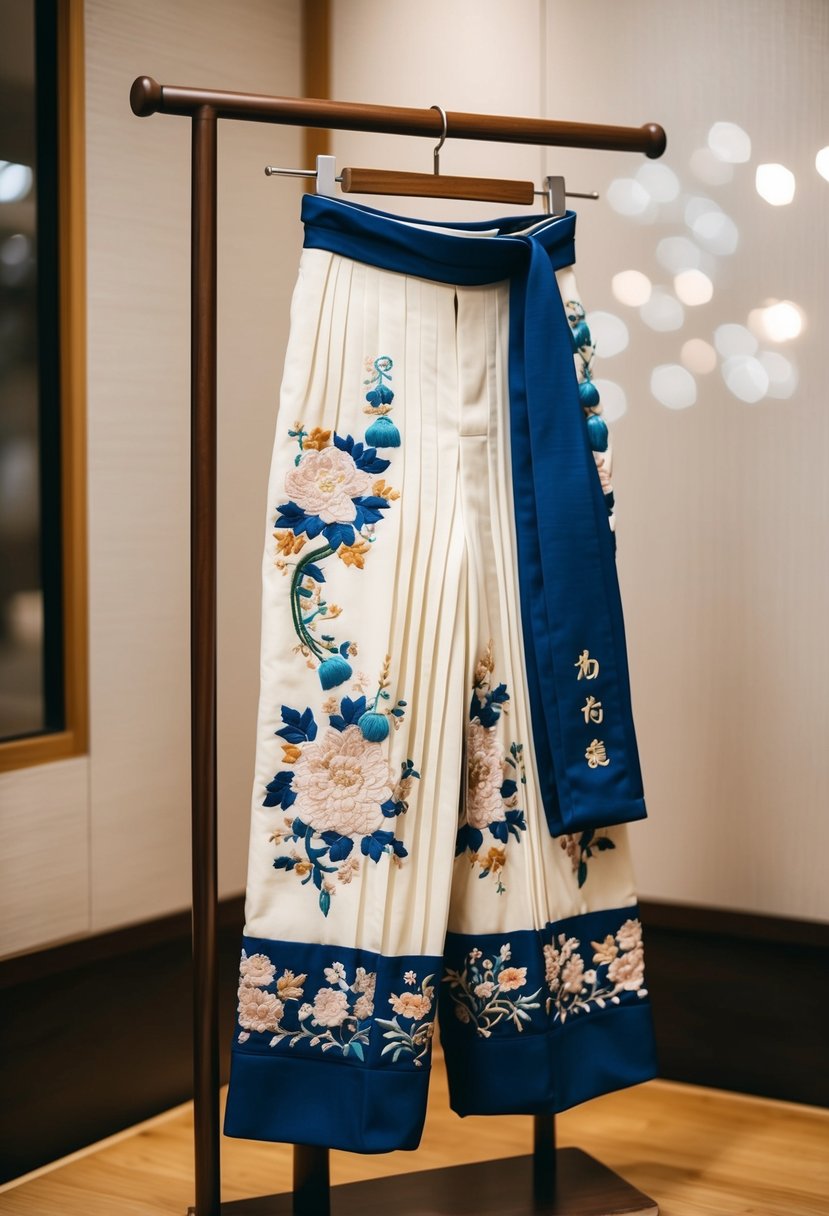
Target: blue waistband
(573, 628)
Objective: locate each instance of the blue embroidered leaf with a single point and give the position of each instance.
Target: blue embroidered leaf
(585, 838)
(366, 514)
(399, 849)
(299, 828)
(289, 514)
(582, 872)
(508, 788)
(380, 396)
(299, 727)
(341, 846)
(372, 463)
(500, 830)
(344, 442)
(390, 808)
(304, 591)
(313, 571)
(350, 711)
(344, 649)
(375, 845)
(317, 873)
(325, 902)
(372, 500)
(338, 534)
(284, 863)
(280, 792)
(604, 842)
(499, 695)
(313, 525)
(516, 818)
(468, 838)
(357, 1048)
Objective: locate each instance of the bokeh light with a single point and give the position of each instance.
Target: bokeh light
(698, 356)
(693, 287)
(663, 311)
(609, 333)
(613, 399)
(775, 183)
(729, 143)
(673, 386)
(631, 287)
(745, 377)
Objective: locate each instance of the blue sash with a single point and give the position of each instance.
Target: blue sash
(571, 610)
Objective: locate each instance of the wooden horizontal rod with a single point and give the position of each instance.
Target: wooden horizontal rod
(148, 97)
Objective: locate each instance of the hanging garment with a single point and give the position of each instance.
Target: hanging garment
(445, 756)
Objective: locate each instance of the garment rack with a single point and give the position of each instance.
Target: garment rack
(567, 1183)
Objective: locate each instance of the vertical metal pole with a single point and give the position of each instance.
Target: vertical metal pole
(203, 661)
(312, 1193)
(544, 1158)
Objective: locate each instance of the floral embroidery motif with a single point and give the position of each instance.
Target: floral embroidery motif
(339, 1017)
(334, 491)
(492, 778)
(584, 351)
(483, 992)
(619, 966)
(579, 847)
(339, 789)
(415, 1008)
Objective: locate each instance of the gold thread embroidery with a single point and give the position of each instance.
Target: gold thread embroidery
(588, 668)
(596, 755)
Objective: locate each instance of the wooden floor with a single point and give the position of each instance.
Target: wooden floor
(697, 1152)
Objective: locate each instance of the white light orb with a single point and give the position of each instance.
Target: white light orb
(627, 197)
(662, 312)
(673, 386)
(775, 183)
(631, 287)
(822, 162)
(733, 339)
(729, 143)
(698, 356)
(678, 253)
(781, 372)
(716, 232)
(693, 287)
(745, 377)
(782, 321)
(15, 181)
(660, 182)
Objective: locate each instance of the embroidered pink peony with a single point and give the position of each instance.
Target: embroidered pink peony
(630, 935)
(485, 776)
(330, 1007)
(551, 966)
(511, 978)
(341, 781)
(324, 483)
(627, 971)
(572, 975)
(411, 1005)
(259, 1010)
(256, 970)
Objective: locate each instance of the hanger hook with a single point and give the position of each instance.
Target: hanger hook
(436, 153)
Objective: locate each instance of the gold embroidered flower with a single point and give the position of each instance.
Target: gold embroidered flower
(290, 753)
(317, 439)
(383, 491)
(364, 981)
(413, 1005)
(495, 860)
(348, 869)
(629, 935)
(324, 484)
(606, 951)
(341, 781)
(354, 555)
(511, 978)
(485, 776)
(627, 971)
(256, 970)
(259, 1010)
(289, 986)
(288, 542)
(330, 1007)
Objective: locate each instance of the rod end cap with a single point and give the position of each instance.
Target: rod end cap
(145, 96)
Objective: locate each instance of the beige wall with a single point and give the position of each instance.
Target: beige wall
(104, 839)
(723, 518)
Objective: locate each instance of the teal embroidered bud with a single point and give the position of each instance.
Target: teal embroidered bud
(588, 394)
(375, 727)
(581, 334)
(334, 671)
(597, 433)
(383, 434)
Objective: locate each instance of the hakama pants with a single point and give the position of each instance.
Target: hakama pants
(445, 754)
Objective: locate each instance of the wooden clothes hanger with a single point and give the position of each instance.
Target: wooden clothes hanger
(435, 184)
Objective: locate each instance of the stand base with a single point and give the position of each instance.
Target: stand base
(582, 1187)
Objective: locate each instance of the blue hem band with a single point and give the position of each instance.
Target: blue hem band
(322, 1102)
